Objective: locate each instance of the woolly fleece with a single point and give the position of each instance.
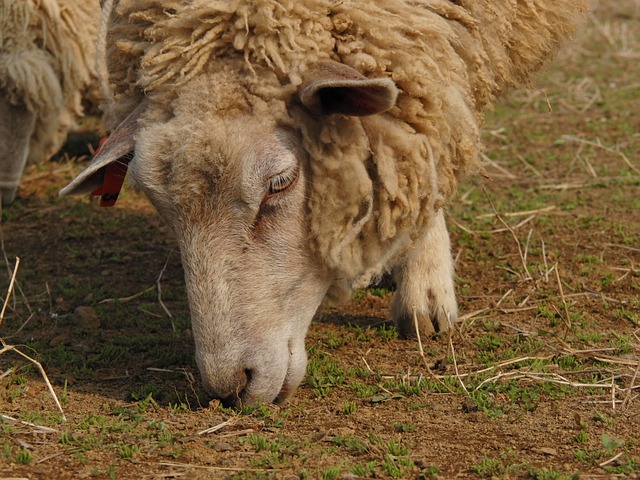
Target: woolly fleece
(375, 181)
(47, 54)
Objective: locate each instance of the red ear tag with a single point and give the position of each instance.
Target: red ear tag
(114, 174)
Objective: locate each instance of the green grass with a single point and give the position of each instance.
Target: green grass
(364, 469)
(330, 473)
(353, 444)
(324, 374)
(24, 457)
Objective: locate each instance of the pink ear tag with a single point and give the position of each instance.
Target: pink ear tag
(114, 174)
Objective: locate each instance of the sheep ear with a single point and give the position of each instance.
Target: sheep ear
(331, 87)
(117, 149)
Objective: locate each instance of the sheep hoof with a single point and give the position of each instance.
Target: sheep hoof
(428, 323)
(8, 195)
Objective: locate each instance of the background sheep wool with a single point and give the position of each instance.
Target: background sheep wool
(376, 181)
(46, 56)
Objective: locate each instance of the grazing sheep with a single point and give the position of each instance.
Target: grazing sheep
(46, 58)
(303, 147)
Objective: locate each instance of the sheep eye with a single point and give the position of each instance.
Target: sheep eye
(278, 184)
(282, 182)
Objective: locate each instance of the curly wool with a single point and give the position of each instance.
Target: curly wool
(47, 57)
(376, 181)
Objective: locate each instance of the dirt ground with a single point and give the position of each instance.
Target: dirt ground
(541, 379)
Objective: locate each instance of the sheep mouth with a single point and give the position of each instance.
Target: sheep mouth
(240, 399)
(289, 386)
(244, 396)
(285, 393)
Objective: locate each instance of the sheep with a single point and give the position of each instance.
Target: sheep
(47, 54)
(302, 148)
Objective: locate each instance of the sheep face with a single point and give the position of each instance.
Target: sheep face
(234, 191)
(229, 173)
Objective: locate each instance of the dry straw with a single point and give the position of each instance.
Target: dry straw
(11, 348)
(620, 397)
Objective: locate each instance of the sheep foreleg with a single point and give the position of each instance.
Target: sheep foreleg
(425, 284)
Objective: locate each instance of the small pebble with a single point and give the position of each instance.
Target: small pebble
(86, 318)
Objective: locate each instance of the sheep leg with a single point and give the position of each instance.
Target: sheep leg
(16, 127)
(425, 282)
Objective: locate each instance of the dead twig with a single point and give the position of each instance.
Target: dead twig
(567, 318)
(503, 297)
(218, 427)
(8, 263)
(495, 230)
(126, 299)
(627, 399)
(627, 272)
(24, 324)
(504, 364)
(158, 283)
(9, 348)
(455, 366)
(527, 276)
(463, 319)
(38, 428)
(367, 363)
(518, 214)
(548, 378)
(626, 247)
(544, 259)
(10, 289)
(415, 325)
(506, 173)
(421, 351)
(597, 144)
(611, 460)
(49, 457)
(214, 469)
(528, 165)
(238, 433)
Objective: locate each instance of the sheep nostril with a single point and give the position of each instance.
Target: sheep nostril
(242, 378)
(232, 401)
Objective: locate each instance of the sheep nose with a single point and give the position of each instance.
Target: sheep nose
(231, 391)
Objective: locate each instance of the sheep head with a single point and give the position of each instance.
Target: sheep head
(232, 180)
